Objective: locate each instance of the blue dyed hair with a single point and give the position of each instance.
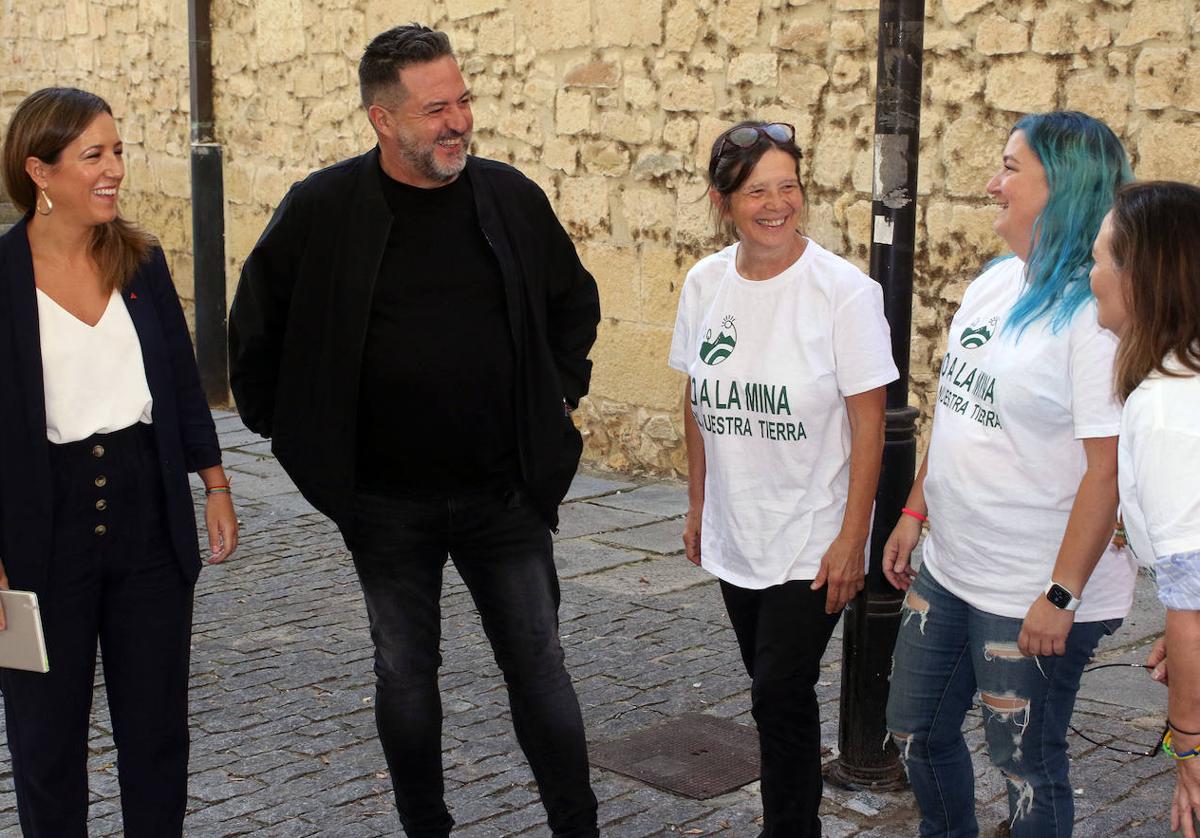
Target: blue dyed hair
(1085, 164)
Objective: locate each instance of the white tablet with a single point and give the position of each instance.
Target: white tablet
(22, 645)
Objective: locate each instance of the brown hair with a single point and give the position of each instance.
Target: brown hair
(1155, 228)
(729, 165)
(42, 126)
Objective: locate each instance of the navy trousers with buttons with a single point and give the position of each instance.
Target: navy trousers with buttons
(113, 579)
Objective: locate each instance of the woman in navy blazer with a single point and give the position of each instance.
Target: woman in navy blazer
(101, 418)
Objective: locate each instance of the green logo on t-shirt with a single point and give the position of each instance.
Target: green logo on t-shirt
(715, 350)
(977, 334)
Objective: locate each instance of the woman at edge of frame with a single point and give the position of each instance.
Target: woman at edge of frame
(1146, 279)
(1019, 581)
(103, 416)
(787, 353)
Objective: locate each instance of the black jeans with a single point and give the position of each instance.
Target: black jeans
(113, 577)
(502, 549)
(782, 632)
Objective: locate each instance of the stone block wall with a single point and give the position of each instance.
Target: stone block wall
(134, 54)
(611, 106)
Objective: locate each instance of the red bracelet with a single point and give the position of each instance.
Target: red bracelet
(922, 518)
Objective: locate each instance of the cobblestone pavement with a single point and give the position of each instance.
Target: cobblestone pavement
(283, 733)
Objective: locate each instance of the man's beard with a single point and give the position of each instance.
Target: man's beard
(424, 158)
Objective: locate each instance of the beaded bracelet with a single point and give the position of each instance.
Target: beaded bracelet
(1170, 751)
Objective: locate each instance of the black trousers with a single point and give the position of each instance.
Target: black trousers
(782, 632)
(114, 579)
(502, 549)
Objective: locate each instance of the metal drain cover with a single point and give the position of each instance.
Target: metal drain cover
(695, 755)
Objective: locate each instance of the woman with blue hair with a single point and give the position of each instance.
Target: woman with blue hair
(1018, 487)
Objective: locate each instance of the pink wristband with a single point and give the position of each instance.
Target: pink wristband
(922, 518)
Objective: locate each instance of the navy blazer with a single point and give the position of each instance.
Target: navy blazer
(183, 425)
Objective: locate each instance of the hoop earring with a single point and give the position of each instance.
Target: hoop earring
(37, 204)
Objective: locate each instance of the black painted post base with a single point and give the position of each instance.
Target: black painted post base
(868, 759)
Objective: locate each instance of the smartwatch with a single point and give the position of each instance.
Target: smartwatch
(1061, 598)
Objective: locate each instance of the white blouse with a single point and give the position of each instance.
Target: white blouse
(94, 378)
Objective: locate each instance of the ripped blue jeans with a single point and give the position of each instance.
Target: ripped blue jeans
(948, 652)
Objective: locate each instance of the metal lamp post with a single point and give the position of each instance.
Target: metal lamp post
(868, 759)
(208, 212)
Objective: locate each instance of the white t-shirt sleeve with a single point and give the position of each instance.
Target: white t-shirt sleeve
(1168, 489)
(1095, 410)
(685, 322)
(862, 342)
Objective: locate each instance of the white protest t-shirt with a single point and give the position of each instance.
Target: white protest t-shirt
(771, 362)
(1159, 465)
(1006, 454)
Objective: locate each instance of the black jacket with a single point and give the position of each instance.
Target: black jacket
(299, 321)
(183, 425)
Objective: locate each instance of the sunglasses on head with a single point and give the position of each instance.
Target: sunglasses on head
(748, 135)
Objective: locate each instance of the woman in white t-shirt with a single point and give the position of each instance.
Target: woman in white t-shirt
(1147, 284)
(1018, 583)
(787, 353)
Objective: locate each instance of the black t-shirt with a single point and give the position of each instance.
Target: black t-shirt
(435, 413)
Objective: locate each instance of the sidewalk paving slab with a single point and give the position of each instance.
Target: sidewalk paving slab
(662, 537)
(663, 499)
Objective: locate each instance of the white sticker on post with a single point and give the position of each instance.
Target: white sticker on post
(884, 228)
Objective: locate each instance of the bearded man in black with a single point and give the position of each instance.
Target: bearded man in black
(412, 332)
